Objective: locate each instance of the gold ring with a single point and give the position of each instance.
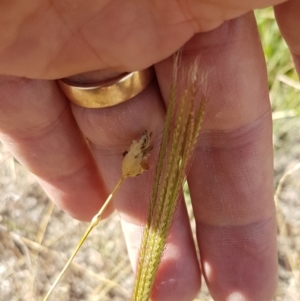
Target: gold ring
(109, 92)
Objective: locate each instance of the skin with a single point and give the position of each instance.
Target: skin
(232, 174)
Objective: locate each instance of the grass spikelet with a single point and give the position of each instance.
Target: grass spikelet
(182, 126)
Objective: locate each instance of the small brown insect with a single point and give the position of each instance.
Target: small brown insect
(135, 159)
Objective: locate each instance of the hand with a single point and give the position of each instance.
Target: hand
(231, 177)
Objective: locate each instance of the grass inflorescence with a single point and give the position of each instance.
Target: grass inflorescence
(182, 126)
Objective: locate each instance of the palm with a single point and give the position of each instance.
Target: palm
(53, 39)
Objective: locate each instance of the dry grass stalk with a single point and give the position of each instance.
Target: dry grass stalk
(182, 126)
(134, 164)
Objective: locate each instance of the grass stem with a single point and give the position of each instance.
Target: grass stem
(94, 222)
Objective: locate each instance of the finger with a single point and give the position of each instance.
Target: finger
(37, 126)
(110, 132)
(231, 176)
(288, 19)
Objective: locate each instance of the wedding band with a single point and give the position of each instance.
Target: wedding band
(109, 92)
